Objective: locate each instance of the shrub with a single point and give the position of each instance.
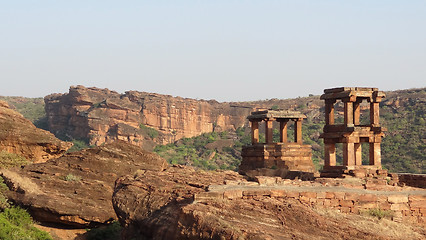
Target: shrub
(8, 160)
(110, 232)
(17, 224)
(151, 132)
(72, 178)
(78, 145)
(380, 213)
(3, 200)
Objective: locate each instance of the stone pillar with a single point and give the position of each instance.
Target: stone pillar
(268, 131)
(349, 112)
(358, 154)
(375, 154)
(254, 132)
(330, 154)
(374, 113)
(283, 130)
(298, 131)
(329, 112)
(348, 154)
(357, 112)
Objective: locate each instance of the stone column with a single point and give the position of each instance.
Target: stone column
(348, 154)
(268, 131)
(357, 112)
(298, 131)
(254, 132)
(358, 154)
(330, 154)
(283, 130)
(374, 113)
(375, 154)
(349, 112)
(329, 112)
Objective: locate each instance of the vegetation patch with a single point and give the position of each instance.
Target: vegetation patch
(209, 151)
(17, 224)
(8, 160)
(379, 213)
(109, 232)
(151, 132)
(78, 145)
(72, 178)
(3, 200)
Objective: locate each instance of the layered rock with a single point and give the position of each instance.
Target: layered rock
(148, 204)
(18, 135)
(76, 189)
(101, 115)
(180, 203)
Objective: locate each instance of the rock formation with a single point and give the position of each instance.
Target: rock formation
(18, 135)
(183, 203)
(101, 115)
(149, 203)
(76, 189)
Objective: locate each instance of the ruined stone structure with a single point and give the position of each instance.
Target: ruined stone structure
(351, 133)
(283, 158)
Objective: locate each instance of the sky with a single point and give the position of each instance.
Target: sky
(226, 50)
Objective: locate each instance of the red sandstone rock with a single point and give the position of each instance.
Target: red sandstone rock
(76, 189)
(174, 204)
(18, 135)
(95, 114)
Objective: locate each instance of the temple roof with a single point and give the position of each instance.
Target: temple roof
(276, 114)
(347, 92)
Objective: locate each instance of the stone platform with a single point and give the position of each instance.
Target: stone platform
(286, 157)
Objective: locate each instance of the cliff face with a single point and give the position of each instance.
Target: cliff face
(101, 115)
(18, 135)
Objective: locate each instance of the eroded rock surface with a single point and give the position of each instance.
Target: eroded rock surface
(101, 115)
(76, 189)
(18, 135)
(180, 203)
(149, 203)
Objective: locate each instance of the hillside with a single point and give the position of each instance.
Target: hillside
(402, 113)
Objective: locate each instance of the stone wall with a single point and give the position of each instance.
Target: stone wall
(403, 205)
(413, 180)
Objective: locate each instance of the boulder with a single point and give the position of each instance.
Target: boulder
(18, 135)
(76, 189)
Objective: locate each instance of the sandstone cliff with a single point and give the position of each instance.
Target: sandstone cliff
(76, 189)
(18, 135)
(101, 115)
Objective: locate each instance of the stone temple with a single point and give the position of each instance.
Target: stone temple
(352, 134)
(285, 158)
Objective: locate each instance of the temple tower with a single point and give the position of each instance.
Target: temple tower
(284, 158)
(351, 133)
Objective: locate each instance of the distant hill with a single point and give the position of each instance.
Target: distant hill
(402, 113)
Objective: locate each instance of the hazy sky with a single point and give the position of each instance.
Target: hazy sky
(225, 50)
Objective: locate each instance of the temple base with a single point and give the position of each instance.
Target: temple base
(287, 160)
(353, 171)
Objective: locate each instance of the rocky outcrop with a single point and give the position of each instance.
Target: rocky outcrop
(76, 189)
(179, 203)
(18, 135)
(149, 203)
(101, 115)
